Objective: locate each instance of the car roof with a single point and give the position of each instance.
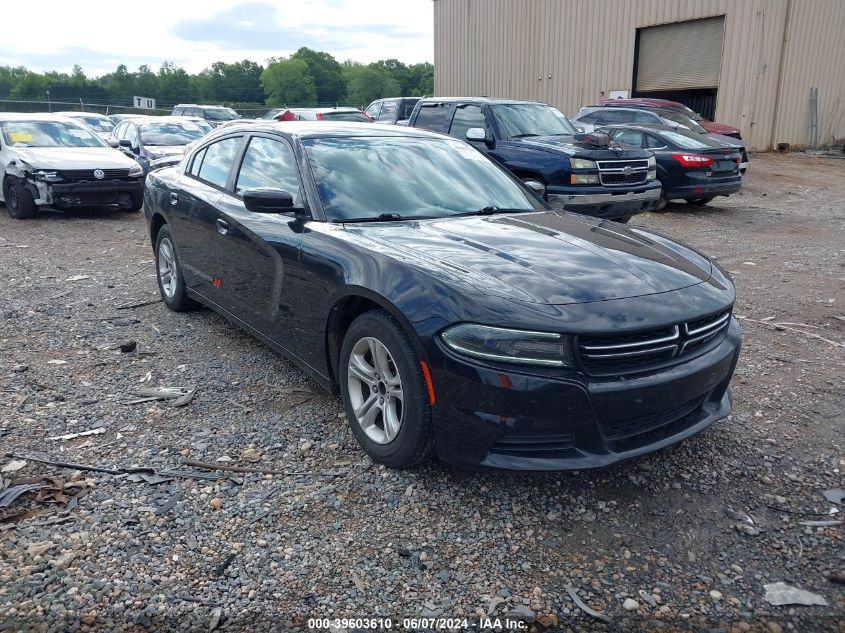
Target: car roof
(200, 105)
(329, 129)
(664, 103)
(35, 116)
(490, 100)
(151, 118)
(341, 109)
(73, 113)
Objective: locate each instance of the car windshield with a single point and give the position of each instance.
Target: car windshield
(170, 133)
(428, 178)
(48, 134)
(345, 116)
(521, 120)
(690, 140)
(683, 119)
(101, 125)
(220, 114)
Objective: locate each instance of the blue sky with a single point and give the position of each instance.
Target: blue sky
(195, 34)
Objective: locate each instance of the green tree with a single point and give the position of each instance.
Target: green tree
(421, 79)
(326, 73)
(368, 83)
(30, 85)
(287, 81)
(146, 83)
(119, 85)
(174, 84)
(398, 71)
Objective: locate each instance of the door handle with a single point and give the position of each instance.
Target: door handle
(174, 199)
(222, 226)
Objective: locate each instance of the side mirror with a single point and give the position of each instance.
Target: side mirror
(112, 143)
(125, 143)
(270, 200)
(476, 135)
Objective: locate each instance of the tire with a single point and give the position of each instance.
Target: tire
(171, 281)
(392, 368)
(19, 201)
(137, 202)
(661, 204)
(699, 202)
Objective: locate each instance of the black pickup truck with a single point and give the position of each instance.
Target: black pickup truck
(584, 173)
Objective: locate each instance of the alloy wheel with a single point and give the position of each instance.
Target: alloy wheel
(167, 271)
(375, 390)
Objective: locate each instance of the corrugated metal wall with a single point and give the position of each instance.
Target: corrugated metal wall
(567, 52)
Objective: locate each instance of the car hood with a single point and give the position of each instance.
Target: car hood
(72, 157)
(567, 146)
(718, 128)
(541, 257)
(165, 150)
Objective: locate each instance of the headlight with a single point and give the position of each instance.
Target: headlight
(49, 176)
(544, 349)
(583, 179)
(652, 161)
(136, 170)
(652, 174)
(582, 163)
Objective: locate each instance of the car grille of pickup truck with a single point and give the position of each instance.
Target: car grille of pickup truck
(616, 355)
(623, 172)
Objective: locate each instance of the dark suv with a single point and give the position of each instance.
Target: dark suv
(211, 113)
(583, 173)
(395, 111)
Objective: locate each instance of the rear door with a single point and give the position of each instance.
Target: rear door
(194, 216)
(258, 251)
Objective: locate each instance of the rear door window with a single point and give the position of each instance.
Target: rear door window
(195, 166)
(646, 117)
(373, 109)
(218, 161)
(466, 117)
(432, 116)
(131, 134)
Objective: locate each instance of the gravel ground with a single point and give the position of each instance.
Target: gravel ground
(680, 540)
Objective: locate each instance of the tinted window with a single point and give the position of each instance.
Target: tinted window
(609, 117)
(268, 163)
(428, 178)
(520, 120)
(406, 106)
(219, 114)
(360, 117)
(170, 132)
(178, 111)
(195, 166)
(590, 117)
(654, 142)
(691, 140)
(431, 117)
(628, 137)
(218, 159)
(465, 118)
(645, 117)
(388, 111)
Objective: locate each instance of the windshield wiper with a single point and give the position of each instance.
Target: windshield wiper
(489, 211)
(524, 135)
(385, 217)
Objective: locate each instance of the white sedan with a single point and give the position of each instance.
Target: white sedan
(47, 160)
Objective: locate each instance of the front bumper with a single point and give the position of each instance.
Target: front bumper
(487, 417)
(90, 192)
(605, 203)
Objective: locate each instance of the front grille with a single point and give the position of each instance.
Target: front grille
(632, 433)
(620, 354)
(533, 444)
(79, 175)
(622, 172)
(624, 179)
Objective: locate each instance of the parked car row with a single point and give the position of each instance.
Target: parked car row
(453, 309)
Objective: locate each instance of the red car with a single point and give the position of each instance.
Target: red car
(658, 104)
(319, 114)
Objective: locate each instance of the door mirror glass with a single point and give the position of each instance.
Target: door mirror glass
(476, 134)
(125, 142)
(113, 143)
(268, 200)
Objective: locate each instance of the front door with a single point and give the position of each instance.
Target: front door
(258, 251)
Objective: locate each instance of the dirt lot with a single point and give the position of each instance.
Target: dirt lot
(684, 539)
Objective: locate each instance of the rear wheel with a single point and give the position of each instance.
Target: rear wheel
(384, 392)
(699, 202)
(171, 282)
(662, 203)
(19, 201)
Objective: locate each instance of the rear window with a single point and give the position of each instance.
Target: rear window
(431, 116)
(345, 116)
(220, 114)
(406, 107)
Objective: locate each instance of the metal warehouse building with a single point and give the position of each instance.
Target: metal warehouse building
(774, 68)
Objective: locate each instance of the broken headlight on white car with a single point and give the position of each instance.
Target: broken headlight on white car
(48, 176)
(136, 170)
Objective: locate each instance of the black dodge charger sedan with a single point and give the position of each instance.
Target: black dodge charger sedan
(452, 309)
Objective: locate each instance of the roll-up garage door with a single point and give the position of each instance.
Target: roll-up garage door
(680, 55)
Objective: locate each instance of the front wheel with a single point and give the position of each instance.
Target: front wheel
(136, 202)
(19, 201)
(171, 282)
(384, 392)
